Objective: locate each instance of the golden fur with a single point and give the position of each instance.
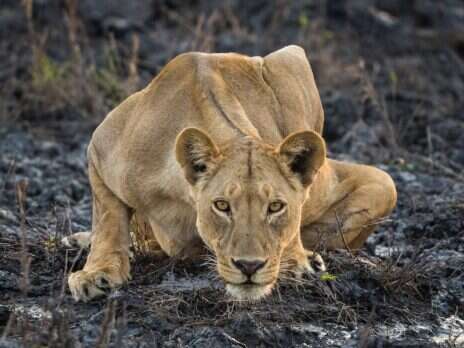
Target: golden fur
(226, 150)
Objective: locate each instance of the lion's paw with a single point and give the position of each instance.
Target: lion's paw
(79, 240)
(310, 263)
(86, 285)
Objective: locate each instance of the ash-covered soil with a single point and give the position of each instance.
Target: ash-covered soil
(391, 78)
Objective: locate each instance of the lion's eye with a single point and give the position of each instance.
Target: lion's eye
(222, 205)
(275, 207)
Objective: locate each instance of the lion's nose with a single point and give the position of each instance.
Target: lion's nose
(249, 267)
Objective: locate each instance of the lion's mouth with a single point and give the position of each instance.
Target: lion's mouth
(249, 282)
(249, 290)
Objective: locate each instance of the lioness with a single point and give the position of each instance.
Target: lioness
(226, 150)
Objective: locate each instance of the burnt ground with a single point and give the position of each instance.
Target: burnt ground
(391, 78)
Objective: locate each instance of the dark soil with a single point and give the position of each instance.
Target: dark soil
(391, 78)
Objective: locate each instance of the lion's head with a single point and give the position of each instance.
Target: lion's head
(249, 198)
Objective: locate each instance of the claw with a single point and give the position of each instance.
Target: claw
(310, 263)
(103, 283)
(317, 263)
(86, 285)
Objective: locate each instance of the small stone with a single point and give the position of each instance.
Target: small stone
(407, 176)
(6, 214)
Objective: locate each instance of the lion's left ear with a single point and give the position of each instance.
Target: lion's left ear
(196, 153)
(304, 153)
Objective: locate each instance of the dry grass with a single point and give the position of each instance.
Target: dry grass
(361, 289)
(73, 85)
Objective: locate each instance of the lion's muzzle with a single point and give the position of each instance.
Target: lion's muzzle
(249, 267)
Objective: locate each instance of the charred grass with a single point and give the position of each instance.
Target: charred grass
(360, 291)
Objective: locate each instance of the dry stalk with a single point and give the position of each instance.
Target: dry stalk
(107, 326)
(25, 258)
(367, 330)
(133, 75)
(342, 235)
(379, 103)
(121, 326)
(204, 38)
(28, 9)
(73, 26)
(8, 327)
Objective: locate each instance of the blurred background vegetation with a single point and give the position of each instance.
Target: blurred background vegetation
(390, 72)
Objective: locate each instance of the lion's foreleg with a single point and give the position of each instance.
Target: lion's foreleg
(297, 260)
(107, 265)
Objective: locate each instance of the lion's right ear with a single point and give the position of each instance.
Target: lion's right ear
(196, 153)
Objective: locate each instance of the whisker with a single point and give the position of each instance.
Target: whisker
(208, 263)
(267, 273)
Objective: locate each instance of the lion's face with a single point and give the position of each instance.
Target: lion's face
(249, 199)
(247, 215)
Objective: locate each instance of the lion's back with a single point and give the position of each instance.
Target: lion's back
(226, 95)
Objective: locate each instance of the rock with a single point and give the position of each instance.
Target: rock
(407, 176)
(116, 24)
(451, 332)
(32, 312)
(6, 214)
(50, 149)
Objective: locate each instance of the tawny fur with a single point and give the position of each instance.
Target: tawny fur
(233, 126)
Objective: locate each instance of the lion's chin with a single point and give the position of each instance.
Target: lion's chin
(249, 292)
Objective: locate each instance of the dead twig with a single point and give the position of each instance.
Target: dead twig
(8, 327)
(107, 326)
(25, 258)
(342, 235)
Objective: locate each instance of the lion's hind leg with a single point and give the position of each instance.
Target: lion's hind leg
(370, 196)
